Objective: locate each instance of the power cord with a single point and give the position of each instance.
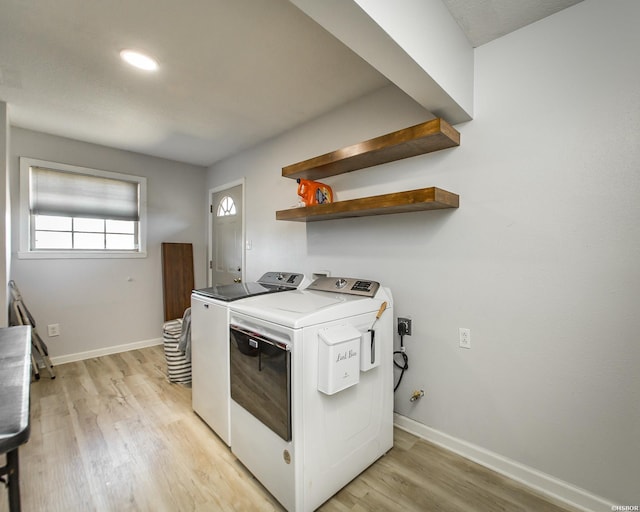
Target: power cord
(402, 330)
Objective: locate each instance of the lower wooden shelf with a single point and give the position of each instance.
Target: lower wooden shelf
(431, 198)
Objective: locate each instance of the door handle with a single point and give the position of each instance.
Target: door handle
(237, 280)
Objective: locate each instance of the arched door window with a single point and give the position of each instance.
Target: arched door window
(226, 207)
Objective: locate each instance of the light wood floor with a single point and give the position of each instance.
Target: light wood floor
(112, 434)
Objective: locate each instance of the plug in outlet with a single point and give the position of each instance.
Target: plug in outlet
(404, 326)
(464, 336)
(53, 330)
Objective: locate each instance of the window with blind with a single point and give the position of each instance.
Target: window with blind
(80, 212)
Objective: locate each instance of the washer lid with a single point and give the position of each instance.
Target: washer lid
(235, 291)
(271, 282)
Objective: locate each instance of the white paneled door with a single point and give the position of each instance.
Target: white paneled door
(226, 237)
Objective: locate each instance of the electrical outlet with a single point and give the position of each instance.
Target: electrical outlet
(464, 336)
(404, 326)
(53, 330)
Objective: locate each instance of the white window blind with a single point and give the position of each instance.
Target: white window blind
(54, 192)
(67, 211)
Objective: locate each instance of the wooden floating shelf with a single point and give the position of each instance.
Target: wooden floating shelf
(431, 198)
(416, 140)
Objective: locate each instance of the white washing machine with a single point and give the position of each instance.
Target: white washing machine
(311, 374)
(210, 343)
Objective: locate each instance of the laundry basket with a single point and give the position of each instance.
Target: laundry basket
(178, 367)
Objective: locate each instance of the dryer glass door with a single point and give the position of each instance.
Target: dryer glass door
(260, 370)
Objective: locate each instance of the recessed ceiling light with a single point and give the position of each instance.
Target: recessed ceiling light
(139, 60)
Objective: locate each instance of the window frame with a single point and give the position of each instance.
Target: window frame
(225, 212)
(27, 252)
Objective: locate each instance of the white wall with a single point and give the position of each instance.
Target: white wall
(417, 45)
(92, 300)
(430, 36)
(5, 227)
(540, 261)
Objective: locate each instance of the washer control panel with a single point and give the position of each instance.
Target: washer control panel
(283, 279)
(348, 285)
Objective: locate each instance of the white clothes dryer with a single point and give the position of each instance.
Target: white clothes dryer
(311, 376)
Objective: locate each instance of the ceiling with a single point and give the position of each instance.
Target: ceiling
(483, 21)
(232, 74)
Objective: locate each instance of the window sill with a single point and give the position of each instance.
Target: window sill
(61, 255)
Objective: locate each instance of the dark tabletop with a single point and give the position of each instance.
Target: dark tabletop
(15, 380)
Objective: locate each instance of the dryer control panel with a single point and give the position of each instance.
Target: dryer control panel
(348, 285)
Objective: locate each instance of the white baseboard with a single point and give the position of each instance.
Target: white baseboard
(81, 356)
(536, 480)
